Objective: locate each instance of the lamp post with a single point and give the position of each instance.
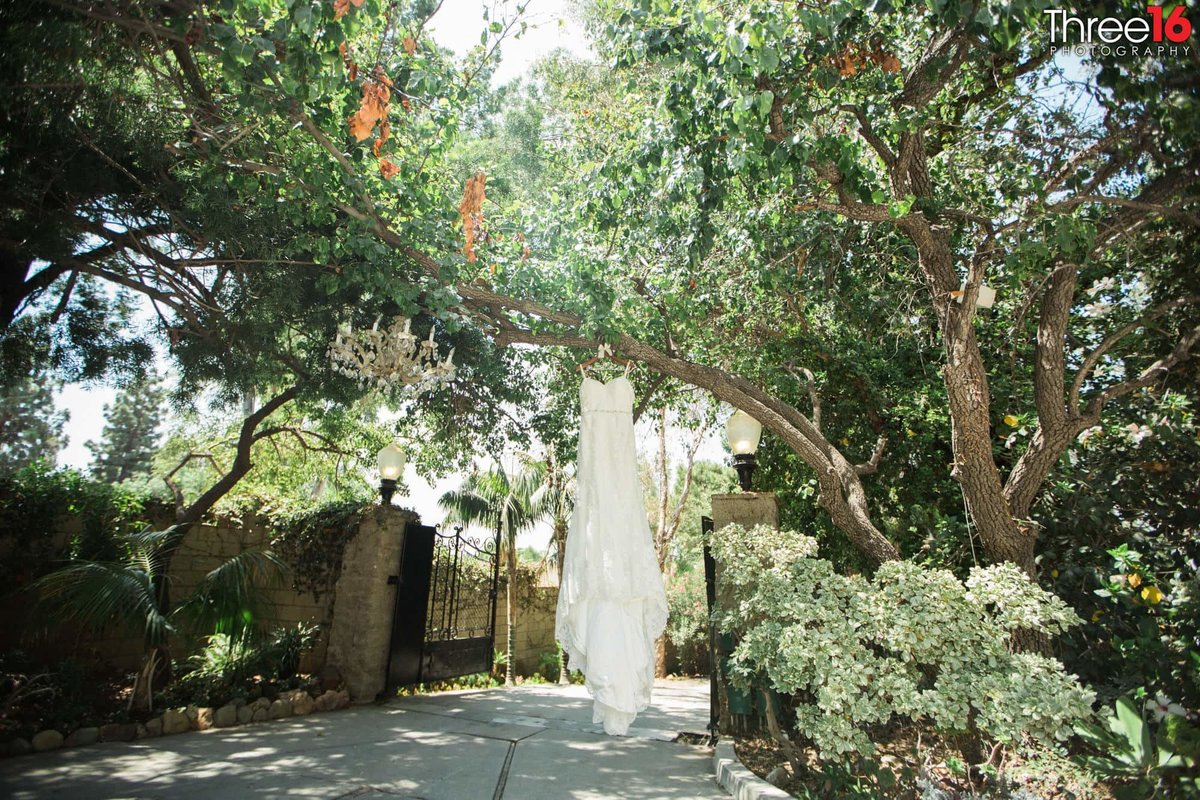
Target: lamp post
(743, 432)
(391, 464)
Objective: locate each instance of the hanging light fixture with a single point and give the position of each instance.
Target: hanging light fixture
(391, 465)
(379, 359)
(743, 433)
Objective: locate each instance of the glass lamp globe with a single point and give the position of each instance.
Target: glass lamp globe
(391, 462)
(743, 433)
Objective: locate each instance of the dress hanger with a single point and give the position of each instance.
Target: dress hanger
(602, 352)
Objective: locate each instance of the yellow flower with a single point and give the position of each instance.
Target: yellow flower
(1135, 580)
(1010, 420)
(1152, 595)
(1053, 573)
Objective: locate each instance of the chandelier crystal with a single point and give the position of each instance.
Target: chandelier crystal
(381, 359)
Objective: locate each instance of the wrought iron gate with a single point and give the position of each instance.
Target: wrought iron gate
(444, 623)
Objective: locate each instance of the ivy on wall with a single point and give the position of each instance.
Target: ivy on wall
(313, 542)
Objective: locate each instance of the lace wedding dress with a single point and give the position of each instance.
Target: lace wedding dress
(611, 603)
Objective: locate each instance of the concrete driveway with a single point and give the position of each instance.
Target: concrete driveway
(527, 743)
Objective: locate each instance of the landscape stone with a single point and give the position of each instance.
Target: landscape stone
(82, 736)
(19, 747)
(47, 740)
(326, 702)
(778, 777)
(175, 722)
(280, 708)
(259, 715)
(343, 699)
(245, 714)
(226, 716)
(118, 732)
(154, 727)
(237, 702)
(204, 719)
(262, 703)
(303, 704)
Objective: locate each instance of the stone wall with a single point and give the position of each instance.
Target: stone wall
(361, 627)
(205, 547)
(535, 626)
(355, 619)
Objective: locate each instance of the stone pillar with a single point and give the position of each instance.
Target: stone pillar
(746, 509)
(364, 602)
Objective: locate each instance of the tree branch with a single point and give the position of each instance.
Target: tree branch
(1089, 363)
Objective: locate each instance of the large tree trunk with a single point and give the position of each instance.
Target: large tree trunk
(965, 377)
(160, 673)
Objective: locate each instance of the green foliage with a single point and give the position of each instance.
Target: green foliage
(31, 427)
(62, 696)
(550, 665)
(313, 541)
(235, 666)
(1131, 748)
(1122, 546)
(908, 642)
(130, 436)
(36, 504)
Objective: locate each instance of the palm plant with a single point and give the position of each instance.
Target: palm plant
(497, 499)
(554, 501)
(129, 594)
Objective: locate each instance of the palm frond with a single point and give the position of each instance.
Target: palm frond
(229, 599)
(100, 595)
(467, 507)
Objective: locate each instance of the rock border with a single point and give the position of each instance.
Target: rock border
(737, 779)
(294, 703)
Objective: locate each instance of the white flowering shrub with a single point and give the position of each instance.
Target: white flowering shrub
(910, 642)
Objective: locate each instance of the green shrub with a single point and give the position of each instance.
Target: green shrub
(909, 642)
(230, 666)
(36, 500)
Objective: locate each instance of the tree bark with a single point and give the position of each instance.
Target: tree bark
(965, 378)
(511, 609)
(185, 519)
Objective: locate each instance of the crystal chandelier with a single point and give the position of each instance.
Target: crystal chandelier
(380, 359)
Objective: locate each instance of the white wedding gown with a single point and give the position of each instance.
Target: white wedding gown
(611, 604)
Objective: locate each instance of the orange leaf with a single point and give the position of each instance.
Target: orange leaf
(353, 71)
(890, 63)
(360, 127)
(388, 169)
(405, 104)
(471, 212)
(340, 8)
(357, 3)
(410, 45)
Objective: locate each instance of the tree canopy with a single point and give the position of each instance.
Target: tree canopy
(792, 207)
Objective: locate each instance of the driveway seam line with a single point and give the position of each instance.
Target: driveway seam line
(503, 779)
